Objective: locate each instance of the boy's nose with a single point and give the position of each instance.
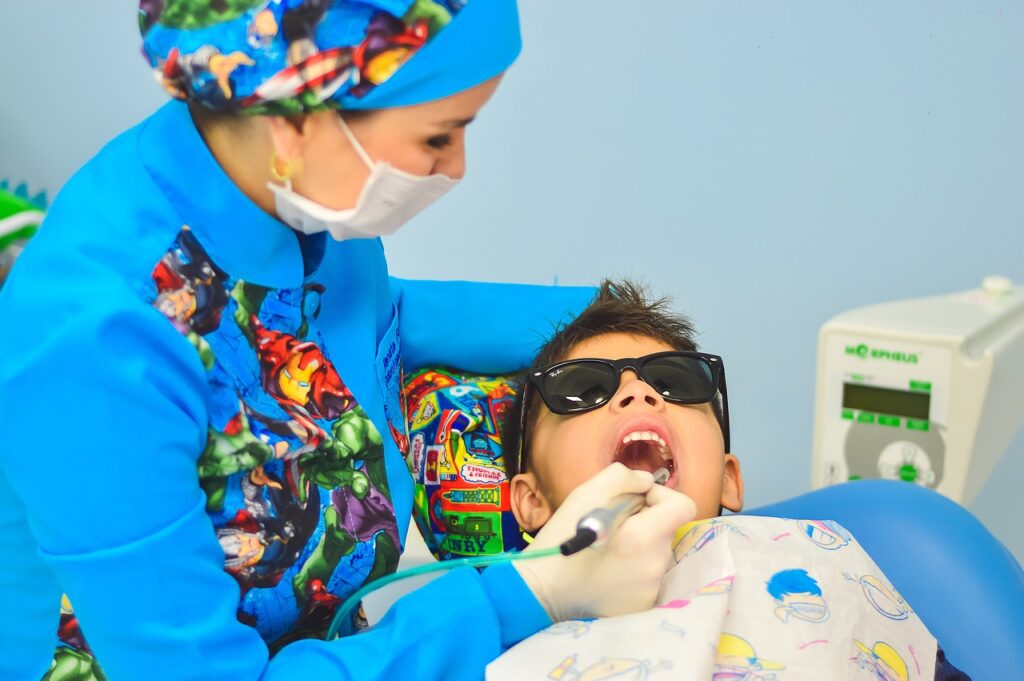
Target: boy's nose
(635, 394)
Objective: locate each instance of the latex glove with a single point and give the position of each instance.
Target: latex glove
(622, 575)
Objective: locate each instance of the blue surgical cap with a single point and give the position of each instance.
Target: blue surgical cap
(296, 56)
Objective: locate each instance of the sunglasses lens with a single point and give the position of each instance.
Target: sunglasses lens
(579, 386)
(680, 379)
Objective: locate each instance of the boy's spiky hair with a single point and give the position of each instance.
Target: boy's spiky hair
(619, 307)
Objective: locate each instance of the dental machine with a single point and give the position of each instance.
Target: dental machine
(929, 390)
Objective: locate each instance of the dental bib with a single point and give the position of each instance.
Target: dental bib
(750, 598)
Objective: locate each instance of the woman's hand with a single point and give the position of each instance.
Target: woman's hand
(620, 576)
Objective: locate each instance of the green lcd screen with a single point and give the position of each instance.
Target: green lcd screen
(912, 405)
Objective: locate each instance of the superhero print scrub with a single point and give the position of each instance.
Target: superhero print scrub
(201, 419)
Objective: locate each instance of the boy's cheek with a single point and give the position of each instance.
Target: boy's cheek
(704, 486)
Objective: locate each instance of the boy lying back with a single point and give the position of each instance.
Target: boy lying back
(750, 598)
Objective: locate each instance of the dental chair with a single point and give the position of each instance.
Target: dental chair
(961, 581)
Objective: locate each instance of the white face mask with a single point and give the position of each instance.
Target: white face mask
(389, 199)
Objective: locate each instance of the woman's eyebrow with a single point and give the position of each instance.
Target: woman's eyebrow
(458, 122)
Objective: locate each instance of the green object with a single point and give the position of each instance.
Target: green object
(855, 477)
(866, 417)
(923, 386)
(892, 421)
(848, 414)
(344, 613)
(19, 219)
(915, 424)
(908, 473)
(473, 533)
(193, 14)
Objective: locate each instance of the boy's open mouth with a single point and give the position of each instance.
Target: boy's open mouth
(644, 450)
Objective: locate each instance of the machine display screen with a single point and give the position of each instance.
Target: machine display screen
(905, 403)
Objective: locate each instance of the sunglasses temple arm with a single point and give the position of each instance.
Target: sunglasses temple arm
(725, 408)
(520, 436)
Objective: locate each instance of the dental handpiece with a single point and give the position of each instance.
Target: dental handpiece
(597, 525)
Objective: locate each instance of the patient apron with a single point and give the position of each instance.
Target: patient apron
(750, 598)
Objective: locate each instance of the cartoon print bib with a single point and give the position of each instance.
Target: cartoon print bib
(766, 599)
(293, 468)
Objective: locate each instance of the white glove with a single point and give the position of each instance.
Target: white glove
(624, 574)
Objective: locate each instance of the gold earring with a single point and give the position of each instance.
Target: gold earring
(283, 170)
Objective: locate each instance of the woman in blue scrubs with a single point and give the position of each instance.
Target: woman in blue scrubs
(200, 414)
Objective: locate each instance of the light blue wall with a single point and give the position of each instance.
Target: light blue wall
(767, 164)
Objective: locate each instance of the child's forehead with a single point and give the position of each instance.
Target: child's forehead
(617, 346)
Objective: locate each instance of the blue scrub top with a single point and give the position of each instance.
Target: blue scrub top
(203, 434)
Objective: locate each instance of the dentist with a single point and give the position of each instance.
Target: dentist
(200, 393)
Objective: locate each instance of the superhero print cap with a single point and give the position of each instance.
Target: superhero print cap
(281, 57)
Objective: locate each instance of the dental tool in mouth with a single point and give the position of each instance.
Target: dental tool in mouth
(597, 525)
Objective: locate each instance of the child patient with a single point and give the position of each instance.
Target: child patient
(750, 598)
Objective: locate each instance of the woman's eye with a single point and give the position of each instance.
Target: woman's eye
(440, 141)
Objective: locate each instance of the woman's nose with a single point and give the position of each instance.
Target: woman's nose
(453, 162)
(635, 394)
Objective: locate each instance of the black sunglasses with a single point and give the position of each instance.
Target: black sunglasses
(577, 386)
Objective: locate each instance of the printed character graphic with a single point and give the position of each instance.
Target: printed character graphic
(798, 595)
(422, 384)
(673, 629)
(480, 446)
(574, 628)
(425, 412)
(267, 536)
(828, 534)
(736, 660)
(351, 465)
(149, 14)
(723, 585)
(608, 669)
(69, 664)
(335, 476)
(230, 451)
(73, 659)
(389, 43)
(263, 30)
(299, 26)
(207, 72)
(190, 287)
(882, 597)
(313, 76)
(697, 535)
(189, 15)
(881, 660)
(302, 381)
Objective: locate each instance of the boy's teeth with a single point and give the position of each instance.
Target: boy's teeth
(644, 435)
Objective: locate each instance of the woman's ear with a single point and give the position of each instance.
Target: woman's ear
(288, 136)
(732, 484)
(529, 506)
